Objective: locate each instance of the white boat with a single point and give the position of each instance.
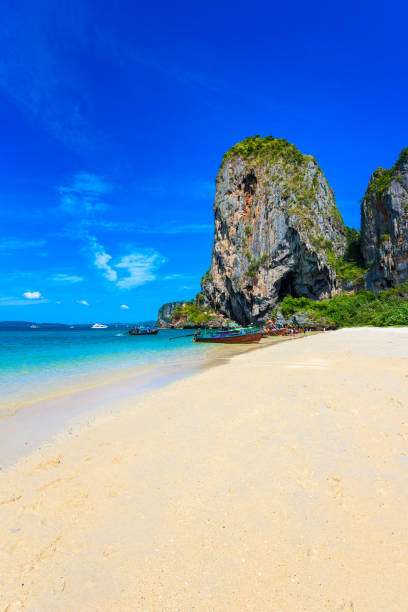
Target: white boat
(99, 326)
(34, 326)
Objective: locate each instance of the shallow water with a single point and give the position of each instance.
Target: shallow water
(35, 364)
(38, 365)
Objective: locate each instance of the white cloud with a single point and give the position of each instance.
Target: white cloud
(102, 262)
(140, 267)
(67, 278)
(83, 302)
(132, 270)
(32, 295)
(125, 307)
(101, 259)
(83, 195)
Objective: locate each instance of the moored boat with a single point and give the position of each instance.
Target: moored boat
(235, 336)
(143, 331)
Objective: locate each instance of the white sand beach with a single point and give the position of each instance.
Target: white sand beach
(274, 482)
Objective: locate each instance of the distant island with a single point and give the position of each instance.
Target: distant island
(32, 325)
(281, 248)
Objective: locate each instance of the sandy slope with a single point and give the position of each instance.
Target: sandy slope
(275, 482)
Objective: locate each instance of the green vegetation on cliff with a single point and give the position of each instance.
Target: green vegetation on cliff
(196, 312)
(349, 272)
(255, 264)
(350, 268)
(301, 185)
(382, 177)
(265, 150)
(353, 246)
(207, 278)
(353, 310)
(381, 181)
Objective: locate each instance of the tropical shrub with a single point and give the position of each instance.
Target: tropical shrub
(388, 308)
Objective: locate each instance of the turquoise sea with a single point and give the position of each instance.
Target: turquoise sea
(37, 364)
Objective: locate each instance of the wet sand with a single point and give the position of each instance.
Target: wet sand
(277, 481)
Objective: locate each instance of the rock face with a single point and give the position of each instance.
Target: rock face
(384, 226)
(165, 313)
(277, 230)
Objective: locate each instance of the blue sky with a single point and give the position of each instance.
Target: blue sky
(115, 117)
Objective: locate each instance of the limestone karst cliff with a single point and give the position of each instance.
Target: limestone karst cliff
(277, 230)
(384, 226)
(279, 233)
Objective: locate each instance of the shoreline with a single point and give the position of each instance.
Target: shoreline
(42, 421)
(274, 481)
(48, 415)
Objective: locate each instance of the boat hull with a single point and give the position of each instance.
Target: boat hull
(149, 333)
(238, 339)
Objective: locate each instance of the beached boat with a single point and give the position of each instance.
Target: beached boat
(238, 335)
(272, 329)
(143, 331)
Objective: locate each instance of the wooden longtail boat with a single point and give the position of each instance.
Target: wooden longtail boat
(143, 331)
(231, 337)
(272, 330)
